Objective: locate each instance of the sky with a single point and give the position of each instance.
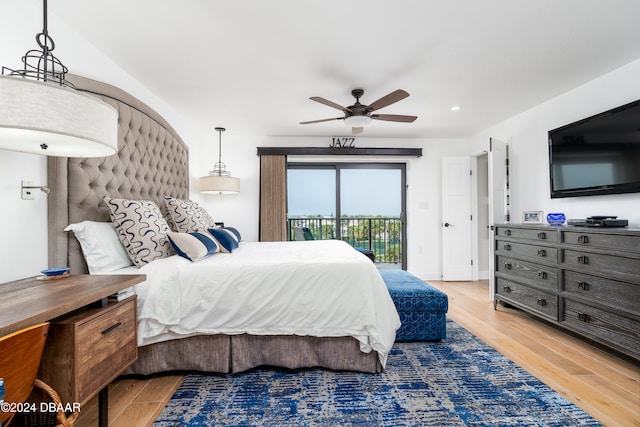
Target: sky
(363, 192)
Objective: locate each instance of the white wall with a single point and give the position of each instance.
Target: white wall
(526, 134)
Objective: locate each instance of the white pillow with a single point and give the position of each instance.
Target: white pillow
(101, 246)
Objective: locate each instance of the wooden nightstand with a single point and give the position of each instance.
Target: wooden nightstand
(91, 340)
(89, 349)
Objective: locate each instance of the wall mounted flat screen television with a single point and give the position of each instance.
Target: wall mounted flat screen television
(597, 155)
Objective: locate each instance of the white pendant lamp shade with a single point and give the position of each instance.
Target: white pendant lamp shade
(49, 119)
(214, 184)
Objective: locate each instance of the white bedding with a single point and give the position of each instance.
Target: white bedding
(318, 288)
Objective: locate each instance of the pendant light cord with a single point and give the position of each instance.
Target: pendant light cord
(220, 169)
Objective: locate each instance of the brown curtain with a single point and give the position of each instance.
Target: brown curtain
(273, 198)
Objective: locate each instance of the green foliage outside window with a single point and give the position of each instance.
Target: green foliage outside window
(381, 234)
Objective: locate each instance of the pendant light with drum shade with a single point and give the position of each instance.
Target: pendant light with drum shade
(42, 113)
(219, 180)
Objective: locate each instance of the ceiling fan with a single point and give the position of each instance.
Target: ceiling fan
(358, 115)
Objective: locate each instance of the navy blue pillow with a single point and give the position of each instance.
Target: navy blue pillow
(224, 238)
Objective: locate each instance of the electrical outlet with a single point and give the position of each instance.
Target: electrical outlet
(27, 193)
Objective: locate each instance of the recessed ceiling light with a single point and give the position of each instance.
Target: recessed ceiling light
(455, 108)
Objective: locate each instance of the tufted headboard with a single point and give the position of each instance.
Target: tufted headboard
(152, 161)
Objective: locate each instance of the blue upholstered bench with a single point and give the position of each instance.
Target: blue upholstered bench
(422, 308)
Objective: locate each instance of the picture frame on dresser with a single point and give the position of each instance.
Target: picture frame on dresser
(532, 217)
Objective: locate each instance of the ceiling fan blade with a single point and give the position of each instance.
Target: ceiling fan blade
(394, 118)
(322, 120)
(389, 99)
(329, 103)
(357, 130)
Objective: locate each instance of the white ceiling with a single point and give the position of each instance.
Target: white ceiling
(251, 65)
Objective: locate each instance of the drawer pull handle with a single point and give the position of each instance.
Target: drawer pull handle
(111, 328)
(583, 285)
(506, 289)
(542, 302)
(583, 259)
(542, 235)
(542, 252)
(583, 239)
(507, 266)
(542, 274)
(507, 232)
(507, 247)
(583, 317)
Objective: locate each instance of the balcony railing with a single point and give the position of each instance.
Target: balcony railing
(382, 235)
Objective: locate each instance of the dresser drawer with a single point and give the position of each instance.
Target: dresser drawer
(104, 343)
(550, 236)
(609, 241)
(617, 264)
(548, 254)
(88, 350)
(542, 276)
(622, 295)
(609, 328)
(543, 303)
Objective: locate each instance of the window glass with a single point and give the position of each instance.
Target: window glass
(311, 192)
(370, 192)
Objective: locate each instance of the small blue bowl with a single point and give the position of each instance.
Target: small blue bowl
(556, 218)
(56, 271)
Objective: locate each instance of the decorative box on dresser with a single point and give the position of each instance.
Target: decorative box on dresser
(584, 279)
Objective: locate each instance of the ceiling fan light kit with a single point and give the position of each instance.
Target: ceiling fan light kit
(358, 115)
(357, 121)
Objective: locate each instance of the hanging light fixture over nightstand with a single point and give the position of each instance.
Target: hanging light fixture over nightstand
(219, 180)
(42, 113)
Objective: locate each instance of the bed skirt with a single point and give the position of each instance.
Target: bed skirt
(238, 353)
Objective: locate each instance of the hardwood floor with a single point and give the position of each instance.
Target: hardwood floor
(133, 402)
(603, 384)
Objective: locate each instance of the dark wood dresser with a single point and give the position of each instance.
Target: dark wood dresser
(584, 279)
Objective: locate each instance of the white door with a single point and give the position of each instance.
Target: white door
(498, 198)
(456, 218)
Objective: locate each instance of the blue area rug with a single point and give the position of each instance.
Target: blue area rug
(457, 382)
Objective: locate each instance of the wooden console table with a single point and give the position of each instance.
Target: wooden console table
(30, 301)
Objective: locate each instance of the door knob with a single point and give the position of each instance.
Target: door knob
(446, 224)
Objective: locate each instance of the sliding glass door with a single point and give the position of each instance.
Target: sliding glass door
(360, 203)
